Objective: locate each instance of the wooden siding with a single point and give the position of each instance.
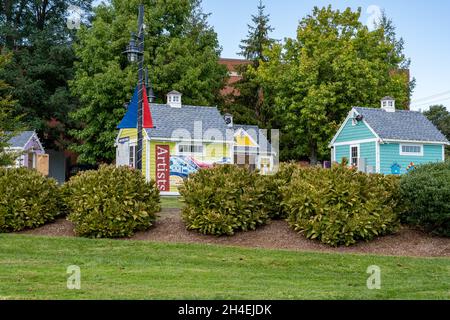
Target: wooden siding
(390, 153)
(352, 133)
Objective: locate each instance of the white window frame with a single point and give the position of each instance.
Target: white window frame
(418, 154)
(130, 154)
(351, 155)
(190, 145)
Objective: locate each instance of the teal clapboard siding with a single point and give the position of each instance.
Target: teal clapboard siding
(390, 153)
(342, 152)
(357, 132)
(367, 151)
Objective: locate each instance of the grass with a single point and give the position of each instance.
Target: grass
(35, 268)
(171, 202)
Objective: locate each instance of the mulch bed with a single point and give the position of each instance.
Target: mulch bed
(276, 235)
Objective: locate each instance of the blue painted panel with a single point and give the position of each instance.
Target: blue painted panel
(357, 132)
(390, 154)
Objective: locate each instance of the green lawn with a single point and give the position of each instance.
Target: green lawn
(171, 202)
(35, 268)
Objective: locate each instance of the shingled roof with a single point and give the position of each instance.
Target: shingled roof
(20, 140)
(401, 125)
(168, 120)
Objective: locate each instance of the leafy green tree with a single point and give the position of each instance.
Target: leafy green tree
(36, 33)
(252, 105)
(440, 117)
(181, 52)
(9, 124)
(334, 63)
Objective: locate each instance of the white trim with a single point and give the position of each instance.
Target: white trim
(359, 153)
(190, 140)
(192, 154)
(347, 143)
(443, 152)
(417, 154)
(334, 154)
(349, 116)
(415, 141)
(147, 162)
(377, 157)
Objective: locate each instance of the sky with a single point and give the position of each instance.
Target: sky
(424, 25)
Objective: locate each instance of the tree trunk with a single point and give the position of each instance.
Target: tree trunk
(313, 153)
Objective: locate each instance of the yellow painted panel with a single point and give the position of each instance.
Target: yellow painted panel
(243, 140)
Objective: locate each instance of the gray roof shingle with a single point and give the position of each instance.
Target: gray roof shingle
(170, 122)
(20, 140)
(401, 125)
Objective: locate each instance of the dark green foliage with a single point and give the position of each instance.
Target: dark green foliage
(36, 34)
(111, 202)
(223, 200)
(340, 206)
(181, 53)
(272, 185)
(426, 193)
(27, 199)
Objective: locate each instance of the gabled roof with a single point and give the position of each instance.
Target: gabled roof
(257, 135)
(20, 140)
(401, 125)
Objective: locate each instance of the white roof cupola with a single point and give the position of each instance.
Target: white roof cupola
(388, 104)
(174, 99)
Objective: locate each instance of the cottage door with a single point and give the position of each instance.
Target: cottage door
(123, 154)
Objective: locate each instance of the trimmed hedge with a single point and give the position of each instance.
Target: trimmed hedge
(340, 206)
(426, 193)
(223, 200)
(111, 202)
(27, 199)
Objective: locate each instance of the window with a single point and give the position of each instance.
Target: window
(411, 150)
(132, 157)
(175, 98)
(190, 149)
(354, 155)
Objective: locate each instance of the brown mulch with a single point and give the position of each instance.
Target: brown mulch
(275, 235)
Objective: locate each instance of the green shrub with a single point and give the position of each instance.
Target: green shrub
(340, 206)
(111, 202)
(27, 199)
(426, 193)
(222, 200)
(271, 185)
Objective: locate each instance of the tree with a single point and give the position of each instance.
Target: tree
(181, 52)
(334, 63)
(36, 33)
(440, 117)
(252, 106)
(9, 124)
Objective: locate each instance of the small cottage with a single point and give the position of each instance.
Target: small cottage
(387, 140)
(183, 139)
(32, 154)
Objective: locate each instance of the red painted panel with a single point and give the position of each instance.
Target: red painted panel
(162, 154)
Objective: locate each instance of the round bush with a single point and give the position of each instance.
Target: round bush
(426, 194)
(27, 199)
(340, 206)
(272, 184)
(223, 200)
(111, 202)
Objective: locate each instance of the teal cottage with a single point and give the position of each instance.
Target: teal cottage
(387, 140)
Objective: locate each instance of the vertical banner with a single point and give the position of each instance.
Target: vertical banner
(162, 154)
